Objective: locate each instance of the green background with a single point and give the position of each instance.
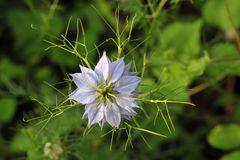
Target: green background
(185, 51)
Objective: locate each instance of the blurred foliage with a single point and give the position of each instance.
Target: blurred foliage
(185, 50)
(217, 8)
(223, 61)
(8, 106)
(226, 137)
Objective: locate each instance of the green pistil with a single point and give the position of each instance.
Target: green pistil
(104, 92)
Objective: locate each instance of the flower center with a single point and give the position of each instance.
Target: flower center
(104, 92)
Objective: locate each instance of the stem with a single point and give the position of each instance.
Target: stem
(159, 8)
(119, 47)
(231, 80)
(87, 63)
(229, 108)
(165, 101)
(150, 6)
(144, 64)
(198, 88)
(237, 38)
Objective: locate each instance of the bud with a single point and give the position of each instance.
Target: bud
(52, 150)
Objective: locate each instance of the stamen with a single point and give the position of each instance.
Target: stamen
(104, 92)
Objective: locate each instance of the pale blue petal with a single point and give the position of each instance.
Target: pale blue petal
(83, 97)
(95, 115)
(90, 112)
(85, 112)
(101, 123)
(124, 101)
(102, 67)
(127, 72)
(133, 73)
(126, 69)
(84, 80)
(86, 70)
(116, 70)
(77, 79)
(88, 108)
(90, 81)
(112, 115)
(127, 111)
(127, 84)
(126, 117)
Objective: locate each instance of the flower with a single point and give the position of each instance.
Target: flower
(108, 92)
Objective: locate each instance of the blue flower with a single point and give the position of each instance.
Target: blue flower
(108, 92)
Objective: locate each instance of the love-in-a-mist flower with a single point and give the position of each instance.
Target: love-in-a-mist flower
(108, 92)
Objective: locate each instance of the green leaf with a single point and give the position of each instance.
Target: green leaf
(44, 74)
(21, 25)
(197, 67)
(63, 58)
(20, 142)
(183, 38)
(215, 13)
(225, 136)
(146, 85)
(25, 18)
(225, 60)
(29, 40)
(8, 107)
(232, 156)
(10, 70)
(187, 71)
